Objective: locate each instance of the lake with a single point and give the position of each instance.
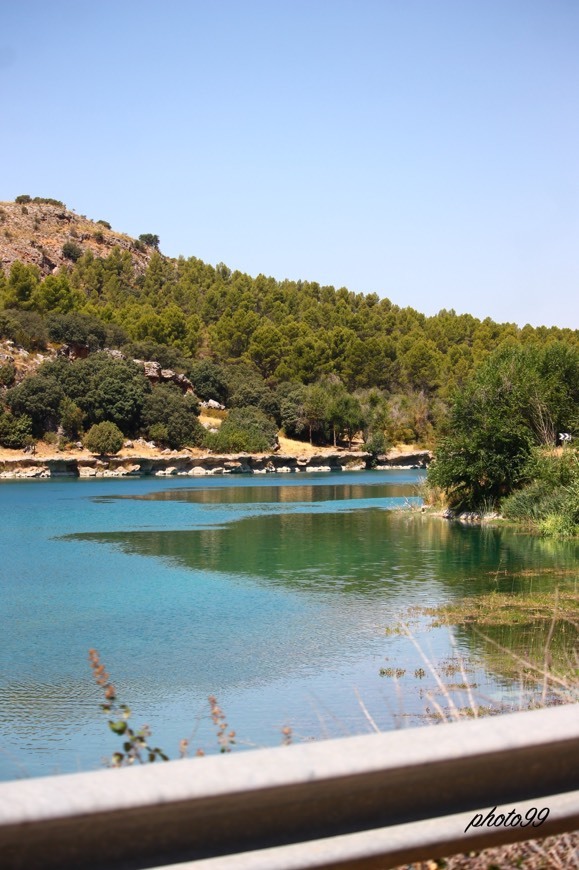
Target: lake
(281, 596)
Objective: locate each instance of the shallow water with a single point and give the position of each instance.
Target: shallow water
(277, 597)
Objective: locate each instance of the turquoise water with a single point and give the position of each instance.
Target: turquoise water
(277, 597)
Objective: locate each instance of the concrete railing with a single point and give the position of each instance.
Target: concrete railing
(374, 801)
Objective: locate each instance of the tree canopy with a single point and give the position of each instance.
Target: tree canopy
(322, 362)
(519, 398)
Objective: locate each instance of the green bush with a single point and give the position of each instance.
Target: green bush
(74, 328)
(15, 432)
(209, 380)
(7, 374)
(376, 443)
(170, 418)
(159, 433)
(558, 526)
(104, 438)
(103, 388)
(550, 500)
(104, 224)
(246, 388)
(169, 357)
(23, 198)
(38, 397)
(48, 200)
(25, 328)
(71, 418)
(71, 251)
(149, 239)
(519, 398)
(246, 430)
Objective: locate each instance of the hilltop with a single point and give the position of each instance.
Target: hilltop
(35, 232)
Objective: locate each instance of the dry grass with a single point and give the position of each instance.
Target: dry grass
(558, 853)
(553, 685)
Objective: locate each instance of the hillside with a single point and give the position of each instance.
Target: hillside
(35, 232)
(79, 303)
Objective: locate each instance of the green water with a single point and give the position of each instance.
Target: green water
(277, 597)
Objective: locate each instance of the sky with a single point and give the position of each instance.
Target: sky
(423, 150)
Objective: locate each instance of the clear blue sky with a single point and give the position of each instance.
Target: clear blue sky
(426, 150)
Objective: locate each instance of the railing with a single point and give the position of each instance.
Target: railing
(358, 802)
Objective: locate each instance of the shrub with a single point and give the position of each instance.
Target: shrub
(551, 498)
(25, 328)
(376, 443)
(159, 433)
(246, 387)
(15, 432)
(168, 356)
(7, 374)
(23, 198)
(48, 200)
(38, 397)
(103, 388)
(72, 251)
(149, 239)
(104, 224)
(104, 438)
(209, 381)
(73, 328)
(71, 418)
(245, 430)
(171, 418)
(558, 526)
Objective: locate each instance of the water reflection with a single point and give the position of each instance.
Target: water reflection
(276, 494)
(275, 596)
(528, 654)
(367, 552)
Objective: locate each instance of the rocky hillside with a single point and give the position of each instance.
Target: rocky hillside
(36, 233)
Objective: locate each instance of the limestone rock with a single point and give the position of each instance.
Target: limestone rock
(152, 370)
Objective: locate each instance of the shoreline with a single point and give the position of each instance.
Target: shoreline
(135, 462)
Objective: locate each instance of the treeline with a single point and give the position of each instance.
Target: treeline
(322, 363)
(287, 330)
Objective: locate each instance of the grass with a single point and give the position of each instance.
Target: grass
(556, 675)
(543, 613)
(503, 608)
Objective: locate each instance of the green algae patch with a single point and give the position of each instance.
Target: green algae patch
(503, 608)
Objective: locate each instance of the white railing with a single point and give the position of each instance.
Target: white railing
(358, 802)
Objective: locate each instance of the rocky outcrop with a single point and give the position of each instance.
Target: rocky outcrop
(184, 464)
(419, 459)
(74, 350)
(172, 463)
(156, 374)
(35, 233)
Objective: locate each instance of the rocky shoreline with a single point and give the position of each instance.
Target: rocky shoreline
(186, 464)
